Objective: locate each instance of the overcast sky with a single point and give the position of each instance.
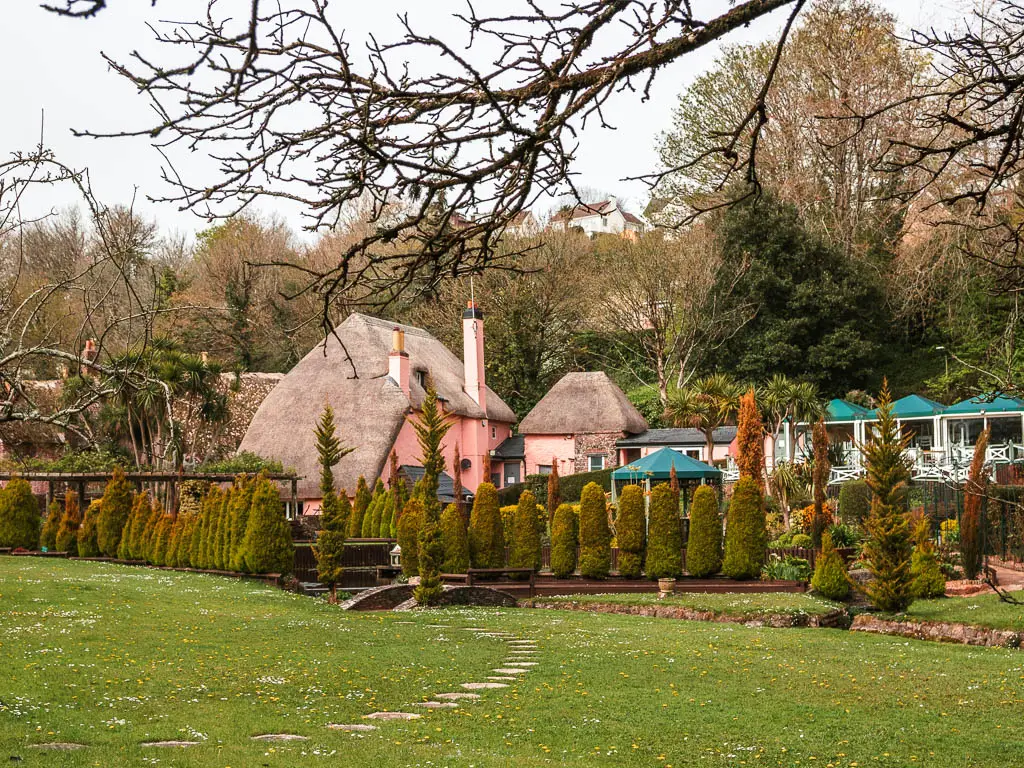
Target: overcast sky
(54, 65)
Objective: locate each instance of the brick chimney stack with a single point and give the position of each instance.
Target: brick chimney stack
(398, 360)
(473, 354)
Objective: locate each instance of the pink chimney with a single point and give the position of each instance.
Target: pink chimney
(473, 353)
(398, 360)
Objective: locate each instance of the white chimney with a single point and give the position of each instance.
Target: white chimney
(473, 353)
(398, 360)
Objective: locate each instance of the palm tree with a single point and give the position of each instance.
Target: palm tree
(807, 407)
(798, 401)
(706, 404)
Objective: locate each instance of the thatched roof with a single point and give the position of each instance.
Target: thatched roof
(369, 407)
(580, 404)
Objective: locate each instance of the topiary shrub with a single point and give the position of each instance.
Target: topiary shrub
(114, 513)
(927, 578)
(486, 534)
(67, 534)
(48, 536)
(746, 537)
(161, 540)
(386, 516)
(130, 547)
(88, 546)
(372, 518)
(704, 547)
(238, 512)
(525, 536)
(595, 534)
(664, 535)
(629, 532)
(409, 526)
(151, 527)
(359, 506)
(854, 501)
(801, 540)
(267, 547)
(20, 522)
(564, 541)
(829, 579)
(455, 539)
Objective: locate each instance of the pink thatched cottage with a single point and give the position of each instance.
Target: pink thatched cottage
(373, 373)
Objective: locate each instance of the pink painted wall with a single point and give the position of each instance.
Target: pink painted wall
(721, 450)
(540, 449)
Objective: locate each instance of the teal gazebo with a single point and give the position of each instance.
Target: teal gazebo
(655, 468)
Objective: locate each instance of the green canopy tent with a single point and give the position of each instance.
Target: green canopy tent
(918, 418)
(1002, 414)
(657, 468)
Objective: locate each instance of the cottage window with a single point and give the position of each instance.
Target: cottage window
(421, 378)
(596, 462)
(494, 433)
(693, 453)
(543, 469)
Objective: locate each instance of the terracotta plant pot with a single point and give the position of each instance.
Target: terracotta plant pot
(666, 587)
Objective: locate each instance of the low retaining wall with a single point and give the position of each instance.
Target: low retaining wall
(939, 631)
(836, 619)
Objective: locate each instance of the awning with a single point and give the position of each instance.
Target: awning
(658, 466)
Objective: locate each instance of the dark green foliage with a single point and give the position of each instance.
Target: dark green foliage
(431, 428)
(888, 549)
(854, 501)
(746, 537)
(88, 546)
(20, 522)
(48, 536)
(786, 568)
(570, 487)
(928, 580)
(359, 507)
(629, 532)
(525, 552)
(431, 559)
(329, 451)
(456, 540)
(409, 526)
(564, 541)
(664, 535)
(704, 547)
(267, 546)
(245, 462)
(117, 506)
(330, 541)
(67, 534)
(595, 534)
(486, 533)
(829, 579)
(801, 540)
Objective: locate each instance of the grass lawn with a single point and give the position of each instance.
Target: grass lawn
(983, 611)
(112, 656)
(732, 604)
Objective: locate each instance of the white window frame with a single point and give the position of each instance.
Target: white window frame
(590, 461)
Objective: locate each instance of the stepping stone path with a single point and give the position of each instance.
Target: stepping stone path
(509, 671)
(351, 727)
(436, 704)
(482, 686)
(66, 746)
(514, 663)
(456, 696)
(280, 737)
(393, 716)
(494, 677)
(172, 743)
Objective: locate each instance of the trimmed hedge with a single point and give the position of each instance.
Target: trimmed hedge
(117, 507)
(67, 534)
(854, 501)
(409, 526)
(664, 550)
(630, 533)
(829, 579)
(455, 539)
(570, 487)
(746, 537)
(87, 544)
(704, 546)
(486, 532)
(565, 538)
(20, 522)
(525, 551)
(595, 535)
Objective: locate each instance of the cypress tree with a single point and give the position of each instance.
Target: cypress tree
(161, 539)
(238, 511)
(829, 579)
(746, 536)
(457, 483)
(267, 546)
(20, 522)
(67, 534)
(704, 547)
(377, 506)
(329, 452)
(554, 492)
(114, 512)
(387, 516)
(409, 525)
(525, 537)
(359, 507)
(335, 509)
(486, 533)
(888, 549)
(88, 546)
(564, 541)
(48, 536)
(220, 532)
(664, 535)
(595, 534)
(970, 521)
(455, 539)
(629, 532)
(820, 476)
(750, 440)
(195, 544)
(152, 525)
(136, 529)
(431, 429)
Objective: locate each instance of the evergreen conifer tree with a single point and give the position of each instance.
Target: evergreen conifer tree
(486, 533)
(829, 579)
(238, 514)
(335, 510)
(117, 506)
(664, 535)
(48, 536)
(88, 546)
(409, 526)
(221, 532)
(195, 545)
(67, 534)
(387, 516)
(359, 506)
(746, 536)
(152, 526)
(595, 534)
(704, 547)
(431, 428)
(750, 440)
(20, 522)
(457, 491)
(136, 530)
(564, 541)
(554, 491)
(161, 539)
(888, 549)
(928, 581)
(456, 540)
(525, 551)
(267, 546)
(377, 508)
(629, 532)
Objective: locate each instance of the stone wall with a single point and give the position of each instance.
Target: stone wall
(598, 442)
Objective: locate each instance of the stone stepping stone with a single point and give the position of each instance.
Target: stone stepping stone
(65, 746)
(436, 704)
(509, 670)
(482, 686)
(392, 716)
(354, 727)
(473, 629)
(173, 743)
(514, 663)
(456, 696)
(280, 737)
(495, 677)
